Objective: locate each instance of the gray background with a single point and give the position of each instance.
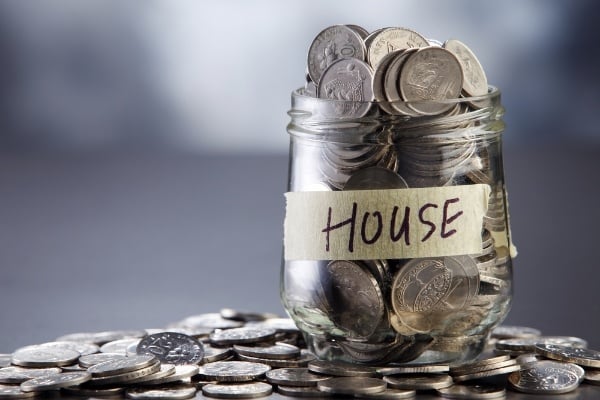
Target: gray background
(143, 153)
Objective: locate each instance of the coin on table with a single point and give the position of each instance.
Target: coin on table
(212, 354)
(297, 362)
(166, 393)
(527, 345)
(99, 338)
(514, 332)
(209, 320)
(502, 369)
(119, 346)
(294, 377)
(429, 77)
(181, 372)
(350, 81)
(301, 391)
(330, 45)
(584, 357)
(172, 348)
(93, 359)
(165, 371)
(392, 39)
(542, 378)
(242, 335)
(390, 394)
(419, 382)
(82, 390)
(592, 377)
(414, 369)
(122, 365)
(14, 392)
(473, 392)
(125, 377)
(19, 374)
(232, 371)
(80, 347)
(352, 385)
(35, 356)
(480, 365)
(475, 81)
(237, 390)
(55, 381)
(280, 351)
(339, 368)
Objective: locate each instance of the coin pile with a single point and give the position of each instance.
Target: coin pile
(247, 355)
(397, 68)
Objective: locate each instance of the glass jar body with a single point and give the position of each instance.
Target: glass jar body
(429, 308)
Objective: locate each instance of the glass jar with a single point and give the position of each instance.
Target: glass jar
(397, 243)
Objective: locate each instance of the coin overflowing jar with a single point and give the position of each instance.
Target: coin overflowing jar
(397, 243)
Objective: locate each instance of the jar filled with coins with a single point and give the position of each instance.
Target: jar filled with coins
(397, 243)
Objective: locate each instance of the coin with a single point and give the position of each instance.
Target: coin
(284, 325)
(338, 368)
(527, 345)
(510, 332)
(99, 338)
(392, 39)
(14, 392)
(181, 372)
(55, 381)
(472, 392)
(279, 351)
(212, 354)
(475, 81)
(165, 371)
(390, 394)
(232, 371)
(331, 44)
(82, 390)
(352, 385)
(543, 379)
(209, 320)
(93, 359)
(80, 347)
(241, 336)
(478, 365)
(419, 382)
(39, 356)
(122, 365)
(301, 391)
(375, 178)
(119, 346)
(237, 390)
(125, 377)
(172, 348)
(351, 82)
(584, 357)
(167, 393)
(19, 374)
(298, 362)
(413, 369)
(294, 377)
(430, 76)
(501, 368)
(5, 360)
(592, 377)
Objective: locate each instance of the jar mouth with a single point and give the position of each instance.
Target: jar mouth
(304, 105)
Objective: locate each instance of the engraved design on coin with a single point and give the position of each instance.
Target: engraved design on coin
(388, 40)
(475, 81)
(172, 348)
(539, 378)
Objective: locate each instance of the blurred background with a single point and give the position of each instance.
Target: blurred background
(143, 152)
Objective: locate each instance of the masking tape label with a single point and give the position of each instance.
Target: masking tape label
(375, 224)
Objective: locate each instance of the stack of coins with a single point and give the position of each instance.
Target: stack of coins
(240, 355)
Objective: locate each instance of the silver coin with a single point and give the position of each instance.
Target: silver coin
(232, 371)
(212, 354)
(592, 377)
(402, 349)
(414, 369)
(14, 392)
(209, 320)
(19, 374)
(352, 385)
(294, 377)
(359, 29)
(330, 45)
(390, 394)
(301, 391)
(5, 360)
(391, 86)
(506, 369)
(543, 379)
(355, 298)
(392, 39)
(242, 336)
(237, 390)
(429, 77)
(37, 356)
(298, 362)
(166, 393)
(479, 365)
(93, 359)
(80, 347)
(99, 338)
(165, 371)
(279, 351)
(427, 290)
(338, 368)
(119, 346)
(172, 348)
(584, 357)
(472, 392)
(181, 373)
(124, 377)
(245, 316)
(475, 81)
(122, 365)
(419, 382)
(82, 390)
(528, 344)
(350, 82)
(55, 381)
